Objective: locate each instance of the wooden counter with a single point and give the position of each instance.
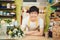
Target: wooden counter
(28, 38)
(35, 38)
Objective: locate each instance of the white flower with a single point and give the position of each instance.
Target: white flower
(15, 35)
(10, 32)
(19, 34)
(15, 30)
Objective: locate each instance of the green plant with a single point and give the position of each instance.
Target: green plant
(8, 20)
(16, 31)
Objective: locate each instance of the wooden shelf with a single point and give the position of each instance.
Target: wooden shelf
(7, 8)
(2, 16)
(57, 4)
(7, 1)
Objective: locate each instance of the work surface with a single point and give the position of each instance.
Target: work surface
(31, 38)
(35, 38)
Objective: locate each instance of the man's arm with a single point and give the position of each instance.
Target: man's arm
(41, 22)
(41, 28)
(38, 33)
(24, 27)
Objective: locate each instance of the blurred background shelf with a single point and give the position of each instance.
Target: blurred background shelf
(57, 4)
(7, 1)
(10, 16)
(7, 8)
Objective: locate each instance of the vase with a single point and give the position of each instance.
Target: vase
(46, 34)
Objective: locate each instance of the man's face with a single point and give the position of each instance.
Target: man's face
(33, 15)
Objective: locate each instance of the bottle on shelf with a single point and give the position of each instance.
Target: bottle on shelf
(3, 6)
(1, 12)
(4, 13)
(13, 6)
(12, 13)
(8, 5)
(8, 13)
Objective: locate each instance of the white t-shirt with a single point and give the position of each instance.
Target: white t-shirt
(32, 24)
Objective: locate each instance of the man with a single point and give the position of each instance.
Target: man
(33, 25)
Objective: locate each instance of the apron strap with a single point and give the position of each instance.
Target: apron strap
(35, 22)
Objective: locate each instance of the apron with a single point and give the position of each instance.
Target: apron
(37, 27)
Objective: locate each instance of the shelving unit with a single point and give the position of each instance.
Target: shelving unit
(56, 19)
(4, 9)
(7, 9)
(6, 1)
(7, 13)
(57, 4)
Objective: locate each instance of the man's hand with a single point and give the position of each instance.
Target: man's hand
(37, 34)
(30, 32)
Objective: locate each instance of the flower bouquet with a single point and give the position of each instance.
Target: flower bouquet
(14, 32)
